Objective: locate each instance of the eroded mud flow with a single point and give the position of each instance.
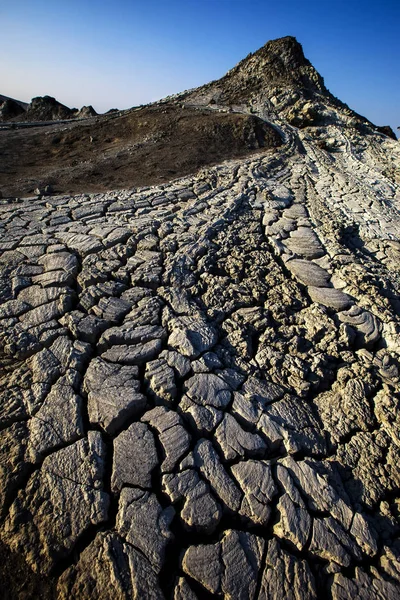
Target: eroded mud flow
(200, 381)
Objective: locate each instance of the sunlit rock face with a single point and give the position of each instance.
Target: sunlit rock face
(200, 380)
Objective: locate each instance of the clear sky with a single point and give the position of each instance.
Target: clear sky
(123, 53)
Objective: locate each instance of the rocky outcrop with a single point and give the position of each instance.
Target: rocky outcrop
(85, 112)
(46, 108)
(9, 109)
(280, 63)
(387, 130)
(41, 108)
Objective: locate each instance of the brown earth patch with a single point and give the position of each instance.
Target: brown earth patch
(144, 146)
(19, 582)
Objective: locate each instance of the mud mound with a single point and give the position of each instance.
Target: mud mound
(142, 147)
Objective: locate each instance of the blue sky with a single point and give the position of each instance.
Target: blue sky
(124, 53)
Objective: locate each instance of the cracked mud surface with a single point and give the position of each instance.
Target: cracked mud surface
(200, 382)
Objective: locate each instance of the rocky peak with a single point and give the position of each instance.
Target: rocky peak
(279, 65)
(47, 108)
(85, 112)
(10, 108)
(277, 81)
(23, 105)
(278, 62)
(41, 108)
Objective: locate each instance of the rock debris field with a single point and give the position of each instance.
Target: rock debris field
(200, 381)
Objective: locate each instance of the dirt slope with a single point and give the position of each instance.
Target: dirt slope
(141, 147)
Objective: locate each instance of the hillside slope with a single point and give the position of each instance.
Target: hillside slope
(178, 135)
(139, 147)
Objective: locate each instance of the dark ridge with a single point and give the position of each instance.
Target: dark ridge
(46, 108)
(10, 109)
(387, 130)
(23, 105)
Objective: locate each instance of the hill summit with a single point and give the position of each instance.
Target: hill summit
(280, 81)
(41, 108)
(280, 64)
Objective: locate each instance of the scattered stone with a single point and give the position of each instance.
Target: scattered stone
(330, 297)
(45, 191)
(308, 273)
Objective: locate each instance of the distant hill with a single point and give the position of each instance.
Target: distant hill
(41, 108)
(23, 105)
(10, 108)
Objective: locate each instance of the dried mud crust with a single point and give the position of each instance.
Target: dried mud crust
(199, 395)
(145, 146)
(199, 390)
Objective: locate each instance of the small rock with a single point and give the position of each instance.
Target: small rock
(330, 297)
(308, 273)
